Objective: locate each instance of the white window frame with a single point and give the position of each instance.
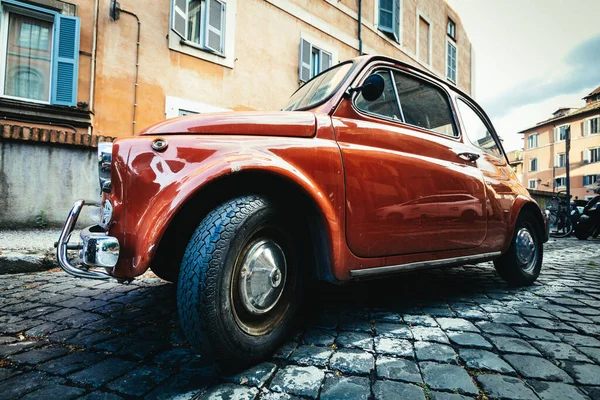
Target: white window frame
(531, 160)
(557, 158)
(560, 177)
(429, 45)
(587, 126)
(175, 104)
(225, 59)
(453, 43)
(529, 182)
(376, 22)
(4, 20)
(557, 138)
(532, 135)
(589, 151)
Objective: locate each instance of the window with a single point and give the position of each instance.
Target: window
(424, 41)
(560, 133)
(387, 105)
(451, 29)
(560, 160)
(477, 130)
(201, 22)
(560, 182)
(177, 107)
(39, 53)
(389, 17)
(451, 61)
(532, 184)
(591, 126)
(313, 60)
(533, 165)
(591, 155)
(590, 179)
(532, 141)
(417, 103)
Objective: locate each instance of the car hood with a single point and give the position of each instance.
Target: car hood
(281, 123)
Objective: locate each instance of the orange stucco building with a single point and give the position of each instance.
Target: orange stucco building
(204, 55)
(544, 153)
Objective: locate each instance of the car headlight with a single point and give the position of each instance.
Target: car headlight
(104, 164)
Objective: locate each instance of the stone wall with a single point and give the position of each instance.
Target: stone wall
(42, 172)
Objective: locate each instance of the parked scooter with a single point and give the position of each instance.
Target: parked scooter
(589, 221)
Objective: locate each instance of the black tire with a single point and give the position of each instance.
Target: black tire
(211, 309)
(561, 224)
(510, 267)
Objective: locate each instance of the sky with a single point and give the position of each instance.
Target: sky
(531, 58)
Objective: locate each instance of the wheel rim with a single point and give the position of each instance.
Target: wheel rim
(262, 277)
(526, 250)
(262, 284)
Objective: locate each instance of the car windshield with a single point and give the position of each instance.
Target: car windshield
(318, 89)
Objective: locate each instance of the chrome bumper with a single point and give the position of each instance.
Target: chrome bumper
(97, 249)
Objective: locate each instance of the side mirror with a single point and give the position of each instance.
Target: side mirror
(372, 89)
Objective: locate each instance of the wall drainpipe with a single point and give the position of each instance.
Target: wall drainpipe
(360, 42)
(115, 7)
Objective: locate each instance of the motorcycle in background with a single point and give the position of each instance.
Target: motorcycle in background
(589, 220)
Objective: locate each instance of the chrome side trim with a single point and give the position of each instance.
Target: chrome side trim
(63, 240)
(422, 264)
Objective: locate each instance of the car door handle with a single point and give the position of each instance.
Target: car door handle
(467, 156)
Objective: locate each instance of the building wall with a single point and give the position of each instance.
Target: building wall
(265, 71)
(547, 148)
(39, 182)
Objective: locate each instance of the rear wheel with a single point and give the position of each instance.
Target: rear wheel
(239, 286)
(561, 224)
(522, 263)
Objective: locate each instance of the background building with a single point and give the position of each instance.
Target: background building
(84, 71)
(544, 155)
(515, 159)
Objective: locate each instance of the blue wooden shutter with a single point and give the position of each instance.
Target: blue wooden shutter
(386, 15)
(305, 60)
(65, 60)
(396, 20)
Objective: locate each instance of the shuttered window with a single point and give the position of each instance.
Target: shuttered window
(313, 61)
(201, 23)
(451, 61)
(389, 17)
(591, 126)
(42, 54)
(560, 133)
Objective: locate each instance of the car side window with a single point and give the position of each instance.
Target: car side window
(477, 130)
(424, 105)
(387, 104)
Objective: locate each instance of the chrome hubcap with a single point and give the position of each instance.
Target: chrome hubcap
(262, 277)
(525, 246)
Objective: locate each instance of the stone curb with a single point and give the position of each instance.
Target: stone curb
(18, 263)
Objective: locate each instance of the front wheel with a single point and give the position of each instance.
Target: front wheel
(239, 285)
(522, 263)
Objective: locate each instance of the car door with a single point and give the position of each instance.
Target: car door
(403, 171)
(498, 176)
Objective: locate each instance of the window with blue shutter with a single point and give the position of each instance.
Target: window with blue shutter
(66, 60)
(389, 17)
(44, 53)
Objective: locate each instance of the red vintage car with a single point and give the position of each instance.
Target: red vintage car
(240, 209)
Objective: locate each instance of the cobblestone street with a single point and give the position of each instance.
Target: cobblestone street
(440, 334)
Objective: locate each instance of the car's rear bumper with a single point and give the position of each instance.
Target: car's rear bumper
(96, 249)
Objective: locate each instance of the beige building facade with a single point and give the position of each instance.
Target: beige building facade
(545, 150)
(209, 55)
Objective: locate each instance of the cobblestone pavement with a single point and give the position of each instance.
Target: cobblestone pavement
(441, 334)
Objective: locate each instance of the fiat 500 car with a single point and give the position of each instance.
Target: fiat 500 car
(372, 168)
